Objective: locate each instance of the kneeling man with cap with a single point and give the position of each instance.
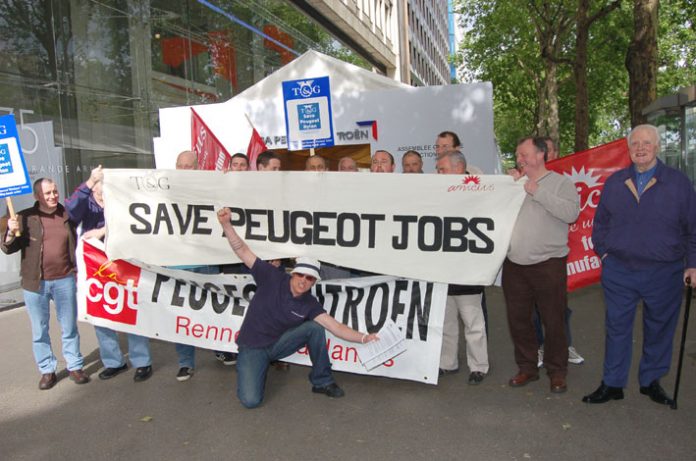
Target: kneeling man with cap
(283, 317)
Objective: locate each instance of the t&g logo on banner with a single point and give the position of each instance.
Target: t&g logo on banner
(308, 117)
(14, 178)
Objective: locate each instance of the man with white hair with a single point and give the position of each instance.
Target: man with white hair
(186, 353)
(463, 301)
(347, 164)
(645, 232)
(283, 317)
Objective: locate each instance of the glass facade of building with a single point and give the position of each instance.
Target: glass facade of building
(675, 117)
(85, 78)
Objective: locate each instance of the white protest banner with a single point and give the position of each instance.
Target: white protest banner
(441, 228)
(207, 310)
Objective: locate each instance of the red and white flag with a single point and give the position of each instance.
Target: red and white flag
(210, 152)
(589, 171)
(256, 146)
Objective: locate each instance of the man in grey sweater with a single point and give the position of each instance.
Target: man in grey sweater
(534, 271)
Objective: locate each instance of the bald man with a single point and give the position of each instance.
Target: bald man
(186, 353)
(316, 163)
(347, 164)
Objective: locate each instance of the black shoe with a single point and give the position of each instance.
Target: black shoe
(476, 377)
(142, 374)
(443, 372)
(185, 373)
(332, 390)
(604, 394)
(227, 358)
(109, 373)
(656, 393)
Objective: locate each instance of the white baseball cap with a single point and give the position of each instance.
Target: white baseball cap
(308, 266)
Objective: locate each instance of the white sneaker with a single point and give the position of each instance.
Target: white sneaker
(574, 357)
(540, 359)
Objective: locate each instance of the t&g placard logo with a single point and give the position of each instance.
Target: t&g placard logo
(306, 88)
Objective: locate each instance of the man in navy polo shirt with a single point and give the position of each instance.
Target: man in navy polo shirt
(283, 317)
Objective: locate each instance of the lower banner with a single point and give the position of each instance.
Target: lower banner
(207, 310)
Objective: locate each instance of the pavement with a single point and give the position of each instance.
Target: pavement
(378, 419)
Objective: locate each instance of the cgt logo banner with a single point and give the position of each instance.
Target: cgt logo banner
(110, 287)
(588, 170)
(208, 310)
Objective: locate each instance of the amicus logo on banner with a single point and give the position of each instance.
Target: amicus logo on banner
(111, 288)
(588, 187)
(471, 183)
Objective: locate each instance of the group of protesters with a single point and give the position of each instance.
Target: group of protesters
(644, 233)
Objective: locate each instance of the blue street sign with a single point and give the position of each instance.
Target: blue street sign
(14, 177)
(308, 117)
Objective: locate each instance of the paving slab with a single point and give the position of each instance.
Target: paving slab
(379, 419)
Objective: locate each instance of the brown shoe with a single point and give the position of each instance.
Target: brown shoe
(47, 381)
(79, 376)
(558, 384)
(522, 379)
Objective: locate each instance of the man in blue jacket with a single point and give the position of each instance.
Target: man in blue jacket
(645, 233)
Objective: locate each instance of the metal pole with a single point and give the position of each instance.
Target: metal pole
(687, 308)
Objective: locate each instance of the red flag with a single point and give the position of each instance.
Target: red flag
(256, 146)
(210, 152)
(589, 171)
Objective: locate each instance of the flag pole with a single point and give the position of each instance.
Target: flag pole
(13, 215)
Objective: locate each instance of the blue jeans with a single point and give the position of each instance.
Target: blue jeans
(252, 363)
(186, 354)
(110, 350)
(62, 292)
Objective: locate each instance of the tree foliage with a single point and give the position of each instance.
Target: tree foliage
(503, 45)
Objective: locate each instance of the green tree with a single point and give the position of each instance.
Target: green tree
(641, 59)
(676, 62)
(534, 64)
